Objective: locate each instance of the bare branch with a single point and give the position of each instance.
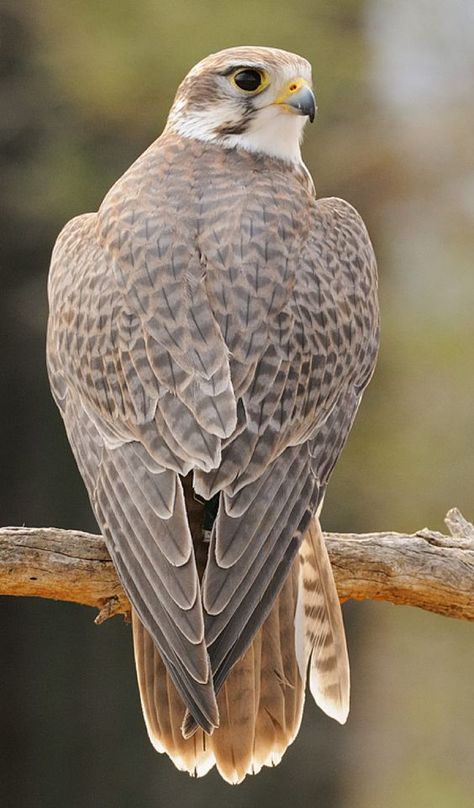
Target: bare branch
(62, 565)
(426, 569)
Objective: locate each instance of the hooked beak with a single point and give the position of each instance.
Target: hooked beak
(298, 97)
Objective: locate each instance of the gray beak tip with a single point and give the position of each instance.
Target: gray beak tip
(304, 102)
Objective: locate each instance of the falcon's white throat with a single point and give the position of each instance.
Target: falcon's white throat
(271, 130)
(210, 106)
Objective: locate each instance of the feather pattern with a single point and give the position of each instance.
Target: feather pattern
(322, 640)
(260, 704)
(214, 323)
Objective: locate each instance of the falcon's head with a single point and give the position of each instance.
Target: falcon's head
(255, 98)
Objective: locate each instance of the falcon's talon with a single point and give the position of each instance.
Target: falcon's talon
(107, 610)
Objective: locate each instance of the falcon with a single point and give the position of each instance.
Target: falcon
(212, 329)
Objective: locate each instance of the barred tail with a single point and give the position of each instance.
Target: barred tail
(260, 704)
(320, 636)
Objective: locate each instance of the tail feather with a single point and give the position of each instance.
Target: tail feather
(320, 631)
(163, 709)
(294, 700)
(270, 727)
(233, 745)
(261, 702)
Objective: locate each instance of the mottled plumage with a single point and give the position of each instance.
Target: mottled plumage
(212, 329)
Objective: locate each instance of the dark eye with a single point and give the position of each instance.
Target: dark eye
(248, 80)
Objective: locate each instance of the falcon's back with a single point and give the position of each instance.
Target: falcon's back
(212, 329)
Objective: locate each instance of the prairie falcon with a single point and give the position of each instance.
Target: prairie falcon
(212, 329)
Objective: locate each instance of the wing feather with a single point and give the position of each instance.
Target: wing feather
(183, 621)
(190, 441)
(153, 555)
(228, 577)
(233, 346)
(252, 593)
(312, 402)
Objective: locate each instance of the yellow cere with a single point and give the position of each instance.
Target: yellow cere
(292, 87)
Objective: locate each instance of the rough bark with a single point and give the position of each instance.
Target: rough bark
(426, 569)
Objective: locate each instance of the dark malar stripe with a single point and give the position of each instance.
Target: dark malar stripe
(236, 127)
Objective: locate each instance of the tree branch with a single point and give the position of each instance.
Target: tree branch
(426, 569)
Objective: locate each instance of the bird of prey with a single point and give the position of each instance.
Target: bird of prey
(212, 329)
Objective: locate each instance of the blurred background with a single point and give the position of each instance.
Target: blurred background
(86, 86)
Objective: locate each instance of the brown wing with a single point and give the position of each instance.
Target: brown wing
(299, 407)
(212, 317)
(118, 433)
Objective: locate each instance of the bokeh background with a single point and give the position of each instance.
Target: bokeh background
(85, 88)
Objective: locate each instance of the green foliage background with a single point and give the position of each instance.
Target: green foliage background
(86, 86)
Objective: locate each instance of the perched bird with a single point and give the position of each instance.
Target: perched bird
(212, 329)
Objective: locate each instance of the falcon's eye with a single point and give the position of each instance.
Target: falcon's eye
(248, 80)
